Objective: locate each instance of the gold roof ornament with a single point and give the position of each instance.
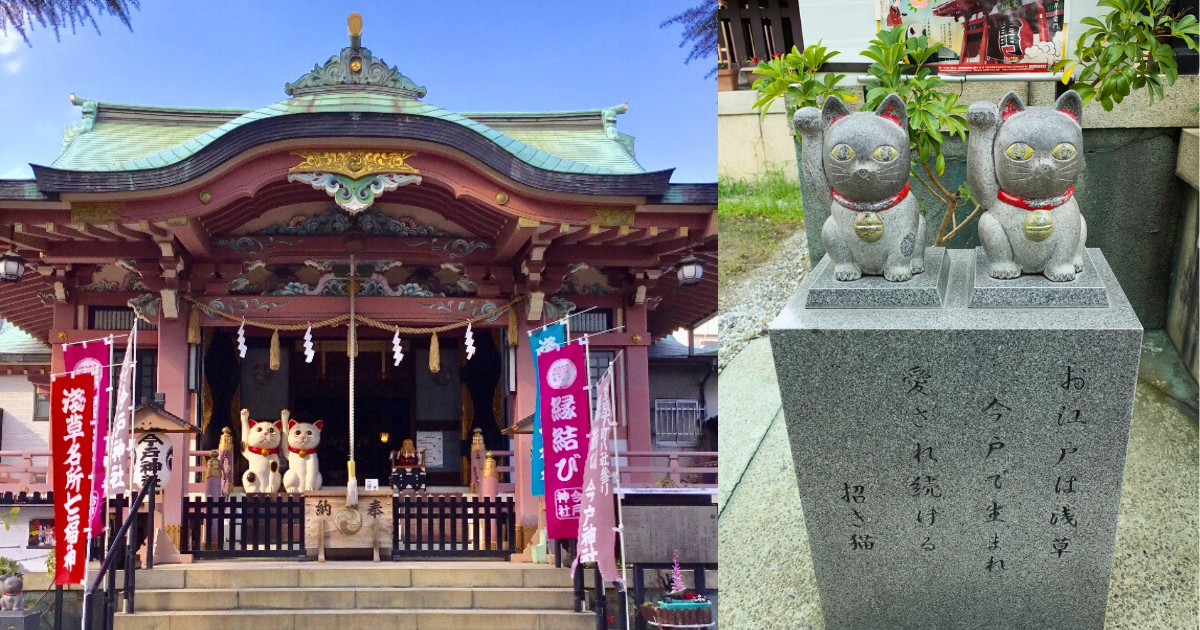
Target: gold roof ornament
(354, 22)
(354, 163)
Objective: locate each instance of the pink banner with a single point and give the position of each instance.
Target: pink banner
(94, 357)
(563, 376)
(597, 538)
(72, 398)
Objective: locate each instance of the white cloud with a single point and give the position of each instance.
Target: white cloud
(9, 43)
(18, 172)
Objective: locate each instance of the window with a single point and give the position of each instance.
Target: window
(114, 318)
(598, 362)
(145, 382)
(677, 421)
(593, 321)
(41, 407)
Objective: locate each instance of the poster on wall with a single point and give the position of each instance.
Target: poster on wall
(41, 533)
(984, 35)
(72, 397)
(433, 444)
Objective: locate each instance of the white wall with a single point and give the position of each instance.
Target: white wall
(21, 432)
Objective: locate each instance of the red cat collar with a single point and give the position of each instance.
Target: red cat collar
(301, 451)
(265, 452)
(1035, 204)
(871, 206)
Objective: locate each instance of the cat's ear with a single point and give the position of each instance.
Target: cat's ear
(291, 423)
(1010, 104)
(1070, 104)
(893, 109)
(319, 424)
(833, 110)
(278, 424)
(252, 423)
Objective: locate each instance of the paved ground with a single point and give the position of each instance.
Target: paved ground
(764, 551)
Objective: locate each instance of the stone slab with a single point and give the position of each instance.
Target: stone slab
(1031, 290)
(924, 290)
(749, 379)
(893, 414)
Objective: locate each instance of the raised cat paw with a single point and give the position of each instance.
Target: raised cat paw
(917, 265)
(847, 271)
(898, 273)
(1004, 270)
(982, 113)
(1078, 262)
(807, 119)
(1063, 272)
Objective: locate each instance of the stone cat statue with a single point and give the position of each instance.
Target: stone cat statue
(1022, 164)
(13, 589)
(858, 164)
(260, 447)
(303, 473)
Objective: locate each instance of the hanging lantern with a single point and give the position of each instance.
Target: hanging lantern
(12, 264)
(690, 271)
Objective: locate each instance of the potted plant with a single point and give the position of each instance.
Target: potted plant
(726, 77)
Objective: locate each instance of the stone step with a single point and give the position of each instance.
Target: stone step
(349, 598)
(230, 575)
(325, 619)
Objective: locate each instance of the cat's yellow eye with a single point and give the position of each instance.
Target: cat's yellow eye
(885, 153)
(842, 152)
(1019, 151)
(1064, 151)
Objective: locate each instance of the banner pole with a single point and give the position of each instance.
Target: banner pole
(617, 490)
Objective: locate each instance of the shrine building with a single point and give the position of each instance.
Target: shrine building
(209, 225)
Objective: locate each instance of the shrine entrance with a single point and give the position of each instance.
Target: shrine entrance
(438, 411)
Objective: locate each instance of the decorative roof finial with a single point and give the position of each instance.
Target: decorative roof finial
(355, 69)
(355, 24)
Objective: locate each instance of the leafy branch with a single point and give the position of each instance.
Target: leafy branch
(1123, 53)
(794, 75)
(899, 67)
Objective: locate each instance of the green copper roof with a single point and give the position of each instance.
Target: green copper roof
(122, 137)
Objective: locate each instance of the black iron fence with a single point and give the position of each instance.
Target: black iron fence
(440, 525)
(243, 526)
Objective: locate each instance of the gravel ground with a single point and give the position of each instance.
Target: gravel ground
(747, 306)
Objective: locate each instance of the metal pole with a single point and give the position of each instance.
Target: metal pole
(150, 531)
(612, 395)
(58, 607)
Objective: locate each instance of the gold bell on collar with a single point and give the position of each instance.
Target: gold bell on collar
(1039, 225)
(868, 226)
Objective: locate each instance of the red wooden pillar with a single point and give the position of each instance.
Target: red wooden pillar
(64, 321)
(527, 504)
(172, 381)
(637, 387)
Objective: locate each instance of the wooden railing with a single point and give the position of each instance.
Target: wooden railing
(638, 469)
(25, 468)
(438, 525)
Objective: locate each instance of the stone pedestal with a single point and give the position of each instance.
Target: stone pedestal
(20, 620)
(960, 467)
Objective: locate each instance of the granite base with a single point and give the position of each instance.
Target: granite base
(960, 467)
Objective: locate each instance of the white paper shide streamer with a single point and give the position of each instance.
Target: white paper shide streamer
(242, 340)
(309, 353)
(470, 342)
(397, 349)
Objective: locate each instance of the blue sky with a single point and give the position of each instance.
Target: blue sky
(477, 55)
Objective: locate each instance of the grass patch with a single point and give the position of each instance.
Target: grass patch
(773, 196)
(752, 219)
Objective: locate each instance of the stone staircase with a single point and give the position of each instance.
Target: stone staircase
(274, 595)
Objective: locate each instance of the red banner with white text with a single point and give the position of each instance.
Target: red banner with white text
(94, 357)
(72, 400)
(563, 375)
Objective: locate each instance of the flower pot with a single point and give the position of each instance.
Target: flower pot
(727, 80)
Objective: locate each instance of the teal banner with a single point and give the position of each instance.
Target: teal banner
(548, 338)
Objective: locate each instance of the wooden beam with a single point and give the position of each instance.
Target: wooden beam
(516, 233)
(194, 238)
(94, 252)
